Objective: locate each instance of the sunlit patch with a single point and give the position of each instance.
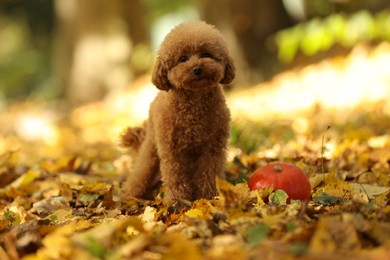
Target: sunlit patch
(34, 127)
(135, 103)
(379, 141)
(328, 150)
(301, 125)
(104, 121)
(339, 84)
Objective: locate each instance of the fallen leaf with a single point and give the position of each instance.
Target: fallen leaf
(57, 245)
(326, 199)
(50, 205)
(370, 190)
(201, 209)
(328, 237)
(278, 197)
(24, 180)
(171, 249)
(86, 198)
(257, 233)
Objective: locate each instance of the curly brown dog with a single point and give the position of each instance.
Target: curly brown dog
(183, 143)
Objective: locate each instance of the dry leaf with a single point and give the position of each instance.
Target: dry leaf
(370, 190)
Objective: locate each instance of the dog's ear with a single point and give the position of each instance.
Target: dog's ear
(160, 75)
(230, 71)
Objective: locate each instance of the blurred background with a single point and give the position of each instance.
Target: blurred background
(82, 49)
(89, 62)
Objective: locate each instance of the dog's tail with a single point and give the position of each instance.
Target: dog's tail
(132, 138)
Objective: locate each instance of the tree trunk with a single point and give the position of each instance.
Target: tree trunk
(94, 45)
(252, 22)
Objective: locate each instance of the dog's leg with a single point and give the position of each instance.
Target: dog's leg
(208, 168)
(176, 177)
(143, 177)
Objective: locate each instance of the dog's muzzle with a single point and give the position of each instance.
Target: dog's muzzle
(197, 71)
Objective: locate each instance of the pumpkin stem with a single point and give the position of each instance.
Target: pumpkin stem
(277, 168)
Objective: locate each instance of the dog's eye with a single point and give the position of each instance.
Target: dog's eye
(205, 55)
(183, 58)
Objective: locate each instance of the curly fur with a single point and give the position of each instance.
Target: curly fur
(183, 143)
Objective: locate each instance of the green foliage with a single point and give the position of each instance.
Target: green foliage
(251, 137)
(291, 226)
(241, 177)
(257, 233)
(278, 197)
(326, 199)
(95, 247)
(244, 139)
(298, 248)
(25, 33)
(10, 219)
(321, 34)
(7, 214)
(87, 198)
(156, 8)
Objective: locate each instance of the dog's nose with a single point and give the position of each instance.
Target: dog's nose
(197, 70)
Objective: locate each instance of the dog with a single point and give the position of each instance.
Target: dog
(184, 141)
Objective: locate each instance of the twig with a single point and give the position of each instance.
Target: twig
(322, 153)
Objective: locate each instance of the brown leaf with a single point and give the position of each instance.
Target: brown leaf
(48, 206)
(333, 234)
(169, 248)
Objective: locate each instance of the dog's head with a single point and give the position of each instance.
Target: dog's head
(193, 56)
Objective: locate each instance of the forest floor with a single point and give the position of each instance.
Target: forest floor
(59, 174)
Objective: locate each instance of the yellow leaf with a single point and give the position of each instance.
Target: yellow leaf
(228, 246)
(328, 239)
(335, 188)
(105, 235)
(57, 245)
(386, 210)
(62, 214)
(200, 209)
(316, 180)
(177, 245)
(262, 195)
(148, 219)
(382, 199)
(25, 179)
(96, 187)
(194, 213)
(370, 190)
(133, 247)
(236, 197)
(272, 219)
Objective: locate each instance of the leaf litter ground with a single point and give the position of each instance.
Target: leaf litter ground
(59, 190)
